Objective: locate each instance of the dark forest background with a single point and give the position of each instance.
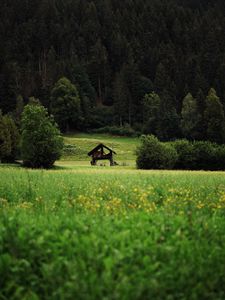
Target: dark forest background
(128, 63)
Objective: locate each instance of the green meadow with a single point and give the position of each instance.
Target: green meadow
(83, 143)
(82, 232)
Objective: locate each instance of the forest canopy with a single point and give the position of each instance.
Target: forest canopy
(115, 53)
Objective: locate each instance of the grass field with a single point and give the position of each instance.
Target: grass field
(81, 232)
(123, 146)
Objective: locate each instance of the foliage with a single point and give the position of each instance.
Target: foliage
(115, 53)
(112, 233)
(9, 139)
(214, 118)
(185, 154)
(5, 146)
(199, 155)
(41, 143)
(65, 104)
(152, 154)
(14, 139)
(180, 155)
(151, 113)
(101, 116)
(203, 156)
(190, 117)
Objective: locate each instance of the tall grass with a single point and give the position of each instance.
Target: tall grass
(111, 234)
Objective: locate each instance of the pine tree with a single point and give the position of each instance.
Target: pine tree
(214, 118)
(121, 95)
(169, 119)
(5, 143)
(151, 113)
(14, 139)
(190, 117)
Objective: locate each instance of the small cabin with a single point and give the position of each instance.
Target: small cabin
(102, 152)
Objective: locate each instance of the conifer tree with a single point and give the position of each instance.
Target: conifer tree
(5, 144)
(151, 113)
(14, 139)
(214, 118)
(189, 117)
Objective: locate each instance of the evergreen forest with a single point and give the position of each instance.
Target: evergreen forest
(150, 66)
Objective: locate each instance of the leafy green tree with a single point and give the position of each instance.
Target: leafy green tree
(190, 117)
(214, 118)
(151, 113)
(65, 104)
(41, 142)
(152, 154)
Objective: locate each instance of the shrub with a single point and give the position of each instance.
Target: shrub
(152, 154)
(219, 154)
(185, 154)
(203, 156)
(199, 155)
(41, 142)
(208, 156)
(181, 154)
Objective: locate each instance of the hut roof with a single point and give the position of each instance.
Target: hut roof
(99, 147)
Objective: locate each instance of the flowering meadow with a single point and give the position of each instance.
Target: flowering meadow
(111, 233)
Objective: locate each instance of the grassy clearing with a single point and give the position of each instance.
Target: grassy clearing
(111, 233)
(123, 146)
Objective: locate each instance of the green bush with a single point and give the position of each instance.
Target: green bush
(41, 142)
(203, 156)
(219, 163)
(181, 155)
(185, 154)
(152, 154)
(199, 155)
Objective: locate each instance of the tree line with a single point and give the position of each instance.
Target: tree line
(149, 64)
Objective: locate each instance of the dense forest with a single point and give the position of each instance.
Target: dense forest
(157, 66)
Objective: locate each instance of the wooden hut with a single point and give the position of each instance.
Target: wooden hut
(99, 153)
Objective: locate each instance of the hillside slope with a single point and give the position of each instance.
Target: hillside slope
(79, 145)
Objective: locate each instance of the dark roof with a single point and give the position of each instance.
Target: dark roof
(98, 147)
